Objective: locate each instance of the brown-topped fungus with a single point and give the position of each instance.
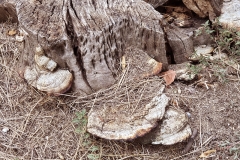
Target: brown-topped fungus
(45, 77)
(119, 123)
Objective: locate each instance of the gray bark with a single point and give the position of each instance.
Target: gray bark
(181, 43)
(7, 11)
(156, 3)
(88, 37)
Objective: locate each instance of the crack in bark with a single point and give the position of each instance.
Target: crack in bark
(216, 6)
(73, 41)
(195, 3)
(94, 4)
(75, 12)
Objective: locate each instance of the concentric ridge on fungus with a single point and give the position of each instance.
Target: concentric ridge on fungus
(106, 123)
(43, 61)
(51, 82)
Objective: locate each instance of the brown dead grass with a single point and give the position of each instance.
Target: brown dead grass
(41, 126)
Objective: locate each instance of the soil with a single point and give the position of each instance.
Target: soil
(35, 125)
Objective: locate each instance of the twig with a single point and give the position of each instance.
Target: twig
(28, 116)
(208, 140)
(130, 156)
(187, 154)
(178, 95)
(200, 129)
(123, 77)
(78, 146)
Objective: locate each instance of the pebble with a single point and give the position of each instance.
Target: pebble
(5, 130)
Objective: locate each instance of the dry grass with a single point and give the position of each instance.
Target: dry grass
(41, 126)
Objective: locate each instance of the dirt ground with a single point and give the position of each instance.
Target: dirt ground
(34, 125)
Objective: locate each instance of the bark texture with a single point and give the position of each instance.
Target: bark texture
(156, 3)
(7, 11)
(205, 8)
(231, 14)
(88, 37)
(181, 43)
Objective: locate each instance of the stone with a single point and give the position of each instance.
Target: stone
(19, 38)
(219, 56)
(201, 51)
(230, 14)
(5, 130)
(183, 71)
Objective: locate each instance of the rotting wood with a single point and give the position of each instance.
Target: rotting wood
(205, 8)
(89, 37)
(7, 11)
(156, 3)
(180, 42)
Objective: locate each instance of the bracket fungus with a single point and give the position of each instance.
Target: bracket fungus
(174, 128)
(149, 124)
(51, 82)
(45, 77)
(43, 61)
(117, 123)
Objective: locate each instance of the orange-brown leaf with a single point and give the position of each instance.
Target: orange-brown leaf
(12, 32)
(207, 153)
(169, 76)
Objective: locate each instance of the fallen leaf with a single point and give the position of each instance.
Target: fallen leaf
(207, 153)
(12, 32)
(169, 76)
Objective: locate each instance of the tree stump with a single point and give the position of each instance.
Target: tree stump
(87, 37)
(81, 42)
